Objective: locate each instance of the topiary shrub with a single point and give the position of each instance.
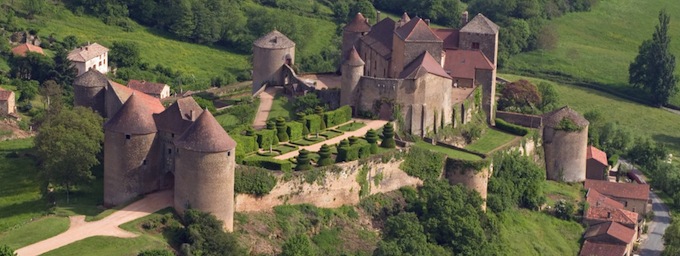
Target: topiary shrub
(268, 163)
(313, 123)
(338, 116)
(294, 130)
(353, 140)
(325, 156)
(253, 180)
(266, 138)
(388, 136)
(250, 131)
(271, 125)
(281, 128)
(343, 149)
(372, 138)
(303, 161)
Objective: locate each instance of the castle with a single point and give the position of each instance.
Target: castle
(423, 73)
(148, 147)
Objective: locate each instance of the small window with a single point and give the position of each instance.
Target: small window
(228, 153)
(144, 162)
(172, 135)
(169, 151)
(625, 204)
(475, 46)
(127, 136)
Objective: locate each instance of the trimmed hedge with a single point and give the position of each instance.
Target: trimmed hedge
(244, 145)
(313, 123)
(347, 153)
(303, 161)
(511, 128)
(267, 137)
(338, 116)
(294, 130)
(268, 163)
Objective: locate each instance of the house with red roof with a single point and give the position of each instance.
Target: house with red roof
(7, 102)
(157, 90)
(608, 238)
(596, 164)
(22, 49)
(633, 196)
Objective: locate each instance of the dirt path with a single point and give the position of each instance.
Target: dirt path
(79, 229)
(370, 124)
(266, 101)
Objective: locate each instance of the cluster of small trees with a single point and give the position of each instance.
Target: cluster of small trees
(523, 96)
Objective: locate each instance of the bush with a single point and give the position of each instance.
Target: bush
(157, 252)
(564, 210)
(472, 133)
(298, 245)
(568, 125)
(349, 152)
(6, 251)
(244, 145)
(338, 116)
(303, 161)
(324, 156)
(313, 123)
(613, 160)
(511, 128)
(254, 181)
(268, 163)
(388, 136)
(281, 128)
(267, 137)
(423, 163)
(372, 138)
(294, 130)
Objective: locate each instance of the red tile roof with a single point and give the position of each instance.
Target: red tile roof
(594, 198)
(178, 116)
(416, 30)
(5, 94)
(22, 49)
(610, 232)
(598, 155)
(358, 24)
(425, 63)
(146, 87)
(450, 37)
(123, 93)
(602, 249)
(464, 63)
(135, 117)
(206, 135)
(619, 190)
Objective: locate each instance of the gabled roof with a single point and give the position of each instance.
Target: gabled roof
(425, 63)
(380, 37)
(480, 24)
(123, 93)
(354, 59)
(22, 49)
(450, 37)
(5, 94)
(553, 119)
(358, 24)
(133, 118)
(602, 249)
(610, 232)
(597, 154)
(596, 198)
(403, 20)
(178, 116)
(416, 30)
(206, 135)
(619, 190)
(88, 52)
(146, 87)
(91, 78)
(274, 40)
(464, 63)
(603, 208)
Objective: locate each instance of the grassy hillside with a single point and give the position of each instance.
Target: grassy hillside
(20, 199)
(535, 233)
(599, 45)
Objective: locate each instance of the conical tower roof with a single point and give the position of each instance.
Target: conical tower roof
(91, 78)
(133, 118)
(178, 116)
(354, 59)
(358, 24)
(274, 40)
(206, 135)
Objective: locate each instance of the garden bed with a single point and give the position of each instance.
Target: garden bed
(308, 141)
(329, 134)
(353, 126)
(283, 149)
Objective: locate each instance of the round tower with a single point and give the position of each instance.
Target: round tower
(352, 70)
(89, 91)
(129, 155)
(565, 141)
(270, 53)
(354, 30)
(458, 172)
(204, 170)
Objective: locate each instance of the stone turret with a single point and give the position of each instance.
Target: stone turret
(204, 176)
(565, 142)
(89, 91)
(352, 70)
(352, 32)
(270, 53)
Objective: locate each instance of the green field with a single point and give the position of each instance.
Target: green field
(599, 45)
(281, 107)
(642, 120)
(555, 191)
(20, 199)
(527, 232)
(490, 140)
(26, 234)
(456, 154)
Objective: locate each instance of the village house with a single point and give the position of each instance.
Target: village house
(157, 90)
(608, 239)
(91, 56)
(7, 105)
(596, 164)
(633, 196)
(22, 49)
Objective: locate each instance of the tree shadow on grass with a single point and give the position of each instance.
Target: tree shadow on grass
(672, 142)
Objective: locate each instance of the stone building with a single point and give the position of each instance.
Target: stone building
(7, 102)
(596, 164)
(91, 56)
(157, 90)
(565, 141)
(271, 54)
(22, 49)
(633, 196)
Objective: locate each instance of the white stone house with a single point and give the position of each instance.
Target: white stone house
(91, 56)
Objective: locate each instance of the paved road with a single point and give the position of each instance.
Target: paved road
(653, 246)
(79, 229)
(266, 101)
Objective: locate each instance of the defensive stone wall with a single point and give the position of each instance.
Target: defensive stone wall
(526, 120)
(565, 154)
(130, 166)
(471, 174)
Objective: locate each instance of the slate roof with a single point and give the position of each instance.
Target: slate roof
(602, 249)
(464, 63)
(146, 87)
(553, 119)
(480, 24)
(597, 154)
(619, 190)
(450, 37)
(123, 93)
(425, 63)
(135, 117)
(380, 37)
(417, 30)
(178, 116)
(274, 40)
(610, 232)
(91, 78)
(5, 94)
(88, 52)
(354, 59)
(206, 135)
(22, 49)
(358, 24)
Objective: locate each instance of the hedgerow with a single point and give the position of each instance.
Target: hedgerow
(511, 128)
(294, 130)
(267, 137)
(268, 163)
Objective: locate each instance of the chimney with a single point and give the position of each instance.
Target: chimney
(427, 21)
(191, 115)
(377, 17)
(464, 18)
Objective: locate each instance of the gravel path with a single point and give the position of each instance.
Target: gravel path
(266, 101)
(79, 229)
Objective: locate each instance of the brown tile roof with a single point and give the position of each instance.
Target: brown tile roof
(450, 37)
(602, 249)
(5, 94)
(85, 53)
(480, 24)
(596, 198)
(135, 117)
(91, 78)
(553, 119)
(123, 93)
(146, 87)
(597, 154)
(178, 116)
(206, 135)
(403, 20)
(619, 190)
(425, 63)
(610, 232)
(417, 30)
(274, 40)
(380, 37)
(358, 24)
(22, 49)
(606, 213)
(464, 63)
(354, 59)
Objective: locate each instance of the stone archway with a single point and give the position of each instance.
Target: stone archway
(386, 111)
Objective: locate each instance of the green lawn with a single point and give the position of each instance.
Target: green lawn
(658, 124)
(281, 107)
(227, 120)
(20, 199)
(456, 154)
(353, 126)
(490, 140)
(557, 190)
(26, 234)
(527, 232)
(600, 44)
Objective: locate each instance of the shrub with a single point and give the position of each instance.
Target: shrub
(388, 136)
(472, 132)
(564, 210)
(613, 160)
(350, 152)
(253, 180)
(244, 145)
(298, 245)
(324, 156)
(343, 148)
(6, 251)
(511, 128)
(568, 125)
(157, 252)
(353, 140)
(519, 94)
(266, 138)
(294, 130)
(281, 129)
(313, 123)
(268, 163)
(303, 161)
(271, 125)
(338, 116)
(423, 163)
(372, 138)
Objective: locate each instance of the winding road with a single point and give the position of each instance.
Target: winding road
(653, 245)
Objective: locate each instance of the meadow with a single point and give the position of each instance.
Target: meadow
(526, 232)
(20, 198)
